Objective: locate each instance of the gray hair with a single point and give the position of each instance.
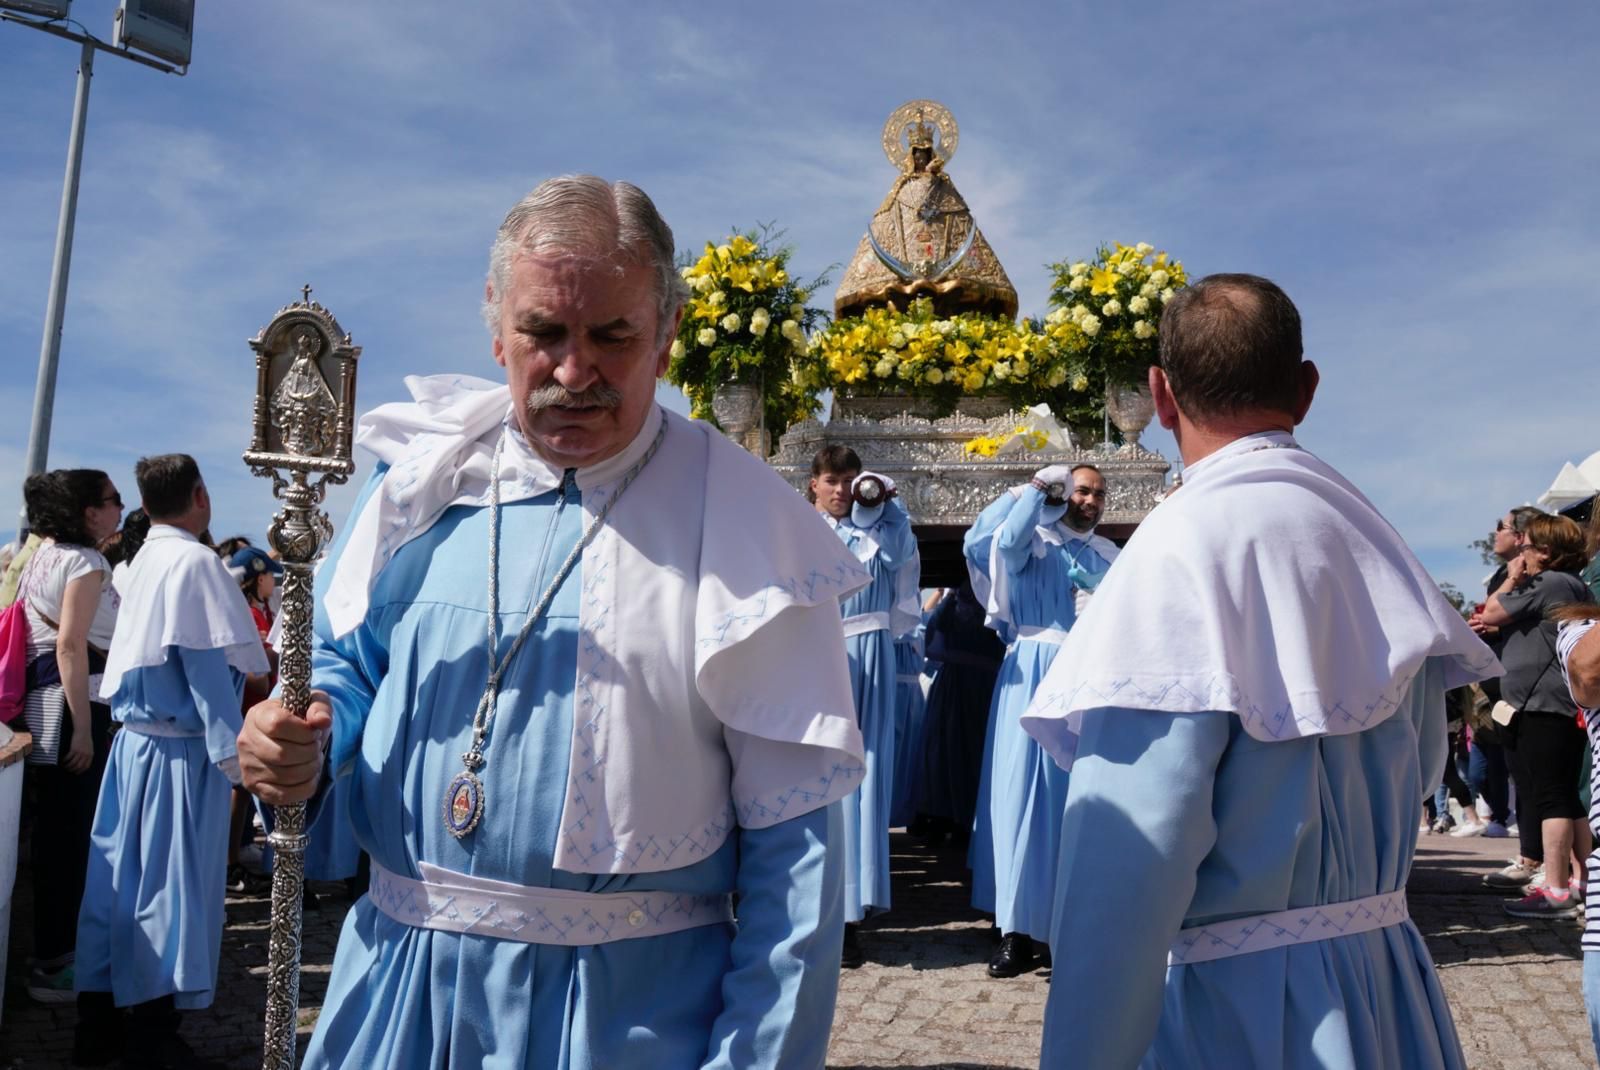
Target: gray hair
(589, 217)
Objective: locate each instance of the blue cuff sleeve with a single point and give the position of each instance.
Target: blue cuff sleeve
(1137, 825)
(896, 543)
(779, 992)
(1015, 537)
(217, 690)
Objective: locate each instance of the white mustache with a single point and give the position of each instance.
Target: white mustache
(599, 396)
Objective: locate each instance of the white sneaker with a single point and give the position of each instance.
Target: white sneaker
(1514, 876)
(1474, 828)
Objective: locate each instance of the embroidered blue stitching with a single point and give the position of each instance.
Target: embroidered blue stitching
(1221, 693)
(796, 588)
(810, 791)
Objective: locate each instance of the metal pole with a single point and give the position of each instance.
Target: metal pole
(44, 394)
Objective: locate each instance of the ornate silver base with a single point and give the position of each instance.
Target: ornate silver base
(939, 482)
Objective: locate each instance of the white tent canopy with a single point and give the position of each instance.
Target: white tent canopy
(1573, 484)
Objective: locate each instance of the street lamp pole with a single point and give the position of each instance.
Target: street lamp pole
(44, 393)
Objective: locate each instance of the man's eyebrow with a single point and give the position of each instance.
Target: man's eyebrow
(621, 323)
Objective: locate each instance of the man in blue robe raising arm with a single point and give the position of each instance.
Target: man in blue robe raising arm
(1255, 702)
(584, 672)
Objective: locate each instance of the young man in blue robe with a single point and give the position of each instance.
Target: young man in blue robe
(876, 530)
(1253, 705)
(584, 673)
(1039, 552)
(150, 927)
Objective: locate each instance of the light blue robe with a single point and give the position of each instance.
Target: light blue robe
(152, 914)
(976, 546)
(866, 810)
(1027, 788)
(1183, 819)
(910, 714)
(404, 686)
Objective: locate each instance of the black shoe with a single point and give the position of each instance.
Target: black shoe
(243, 882)
(1014, 957)
(851, 958)
(1041, 956)
(172, 1053)
(100, 1035)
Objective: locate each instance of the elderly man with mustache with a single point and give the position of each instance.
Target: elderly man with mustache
(583, 671)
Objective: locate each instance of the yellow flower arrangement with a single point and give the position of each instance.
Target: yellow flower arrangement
(740, 290)
(1115, 300)
(943, 358)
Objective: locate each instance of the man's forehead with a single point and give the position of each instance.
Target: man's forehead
(1087, 479)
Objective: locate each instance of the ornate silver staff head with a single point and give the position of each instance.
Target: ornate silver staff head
(304, 424)
(304, 419)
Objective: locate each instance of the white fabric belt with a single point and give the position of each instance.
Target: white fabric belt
(862, 623)
(1287, 928)
(163, 729)
(1033, 634)
(459, 903)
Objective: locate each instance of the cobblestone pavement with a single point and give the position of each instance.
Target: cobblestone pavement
(923, 999)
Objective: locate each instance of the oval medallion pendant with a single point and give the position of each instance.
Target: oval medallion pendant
(463, 804)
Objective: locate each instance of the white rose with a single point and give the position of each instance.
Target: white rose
(1057, 317)
(1080, 268)
(717, 300)
(1002, 370)
(1139, 305)
(705, 284)
(731, 322)
(707, 336)
(1144, 248)
(944, 327)
(1076, 283)
(790, 330)
(1166, 295)
(1090, 324)
(1149, 289)
(687, 273)
(1112, 307)
(677, 349)
(760, 320)
(897, 340)
(1158, 278)
(935, 376)
(884, 368)
(1142, 329)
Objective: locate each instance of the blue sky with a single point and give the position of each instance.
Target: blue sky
(1420, 178)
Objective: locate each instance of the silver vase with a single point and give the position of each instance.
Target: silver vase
(1131, 409)
(737, 407)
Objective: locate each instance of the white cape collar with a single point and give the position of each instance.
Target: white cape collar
(1225, 598)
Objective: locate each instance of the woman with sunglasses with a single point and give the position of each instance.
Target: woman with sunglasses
(71, 610)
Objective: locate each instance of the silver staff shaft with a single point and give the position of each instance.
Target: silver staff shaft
(304, 419)
(288, 838)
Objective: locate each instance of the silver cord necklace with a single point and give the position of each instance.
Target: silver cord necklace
(464, 798)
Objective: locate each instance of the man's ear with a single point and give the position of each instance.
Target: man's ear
(1309, 378)
(664, 357)
(1161, 394)
(497, 346)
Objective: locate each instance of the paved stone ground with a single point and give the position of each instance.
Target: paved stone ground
(923, 999)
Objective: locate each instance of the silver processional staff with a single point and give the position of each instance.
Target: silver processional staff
(304, 423)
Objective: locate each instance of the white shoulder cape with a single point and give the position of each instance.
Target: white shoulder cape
(711, 686)
(178, 592)
(1268, 587)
